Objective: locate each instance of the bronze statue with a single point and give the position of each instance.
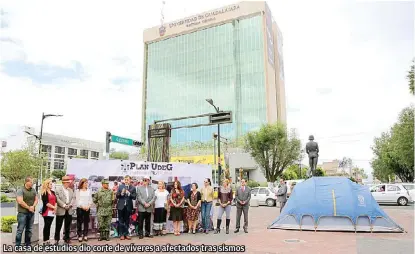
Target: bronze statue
(312, 151)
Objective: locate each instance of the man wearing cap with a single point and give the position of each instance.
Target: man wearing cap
(65, 199)
(103, 199)
(145, 201)
(126, 194)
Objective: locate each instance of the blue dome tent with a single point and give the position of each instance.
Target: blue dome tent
(333, 204)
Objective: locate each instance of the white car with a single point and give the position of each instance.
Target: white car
(410, 187)
(391, 194)
(264, 195)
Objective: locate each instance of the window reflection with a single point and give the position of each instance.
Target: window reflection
(225, 63)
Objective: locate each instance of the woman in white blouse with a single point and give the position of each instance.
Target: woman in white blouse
(83, 205)
(160, 212)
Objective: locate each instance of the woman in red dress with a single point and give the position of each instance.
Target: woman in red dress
(176, 206)
(49, 208)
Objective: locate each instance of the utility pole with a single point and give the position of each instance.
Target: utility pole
(40, 147)
(107, 145)
(214, 155)
(219, 160)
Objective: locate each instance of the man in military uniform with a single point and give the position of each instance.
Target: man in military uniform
(103, 199)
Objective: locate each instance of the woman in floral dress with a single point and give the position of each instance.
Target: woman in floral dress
(194, 199)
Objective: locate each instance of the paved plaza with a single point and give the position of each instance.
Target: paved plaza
(262, 240)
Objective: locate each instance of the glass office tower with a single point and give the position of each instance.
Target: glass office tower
(225, 62)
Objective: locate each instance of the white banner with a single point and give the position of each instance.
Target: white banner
(116, 170)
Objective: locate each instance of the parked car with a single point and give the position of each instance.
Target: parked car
(410, 187)
(265, 196)
(391, 194)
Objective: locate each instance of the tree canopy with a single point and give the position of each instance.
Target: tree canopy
(394, 150)
(356, 171)
(58, 174)
(16, 165)
(119, 155)
(273, 148)
(411, 78)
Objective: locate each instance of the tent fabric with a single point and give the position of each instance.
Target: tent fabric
(333, 204)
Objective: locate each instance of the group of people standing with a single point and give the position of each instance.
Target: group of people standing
(175, 206)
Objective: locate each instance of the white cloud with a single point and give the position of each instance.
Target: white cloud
(362, 74)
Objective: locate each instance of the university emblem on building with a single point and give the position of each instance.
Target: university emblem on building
(162, 30)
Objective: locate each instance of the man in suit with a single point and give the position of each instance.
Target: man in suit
(145, 201)
(65, 199)
(126, 193)
(242, 196)
(282, 194)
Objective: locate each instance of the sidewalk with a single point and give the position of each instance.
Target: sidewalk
(263, 240)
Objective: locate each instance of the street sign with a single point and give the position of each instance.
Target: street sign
(125, 141)
(221, 117)
(159, 133)
(121, 140)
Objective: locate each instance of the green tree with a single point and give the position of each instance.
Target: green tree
(58, 173)
(16, 165)
(356, 171)
(346, 164)
(411, 78)
(273, 149)
(320, 172)
(290, 174)
(394, 150)
(119, 155)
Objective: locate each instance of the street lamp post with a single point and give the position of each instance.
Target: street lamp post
(210, 101)
(40, 145)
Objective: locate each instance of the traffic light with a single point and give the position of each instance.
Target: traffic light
(221, 117)
(137, 143)
(107, 141)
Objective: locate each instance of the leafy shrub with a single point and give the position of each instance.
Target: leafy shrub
(4, 187)
(253, 184)
(7, 222)
(4, 199)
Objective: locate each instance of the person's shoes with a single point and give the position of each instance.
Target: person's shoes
(149, 236)
(140, 237)
(206, 231)
(228, 222)
(85, 239)
(194, 231)
(245, 230)
(107, 235)
(127, 237)
(218, 222)
(122, 237)
(80, 239)
(236, 230)
(68, 241)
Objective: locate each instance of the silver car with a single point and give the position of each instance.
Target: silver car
(264, 195)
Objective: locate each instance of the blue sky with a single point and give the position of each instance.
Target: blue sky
(345, 66)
